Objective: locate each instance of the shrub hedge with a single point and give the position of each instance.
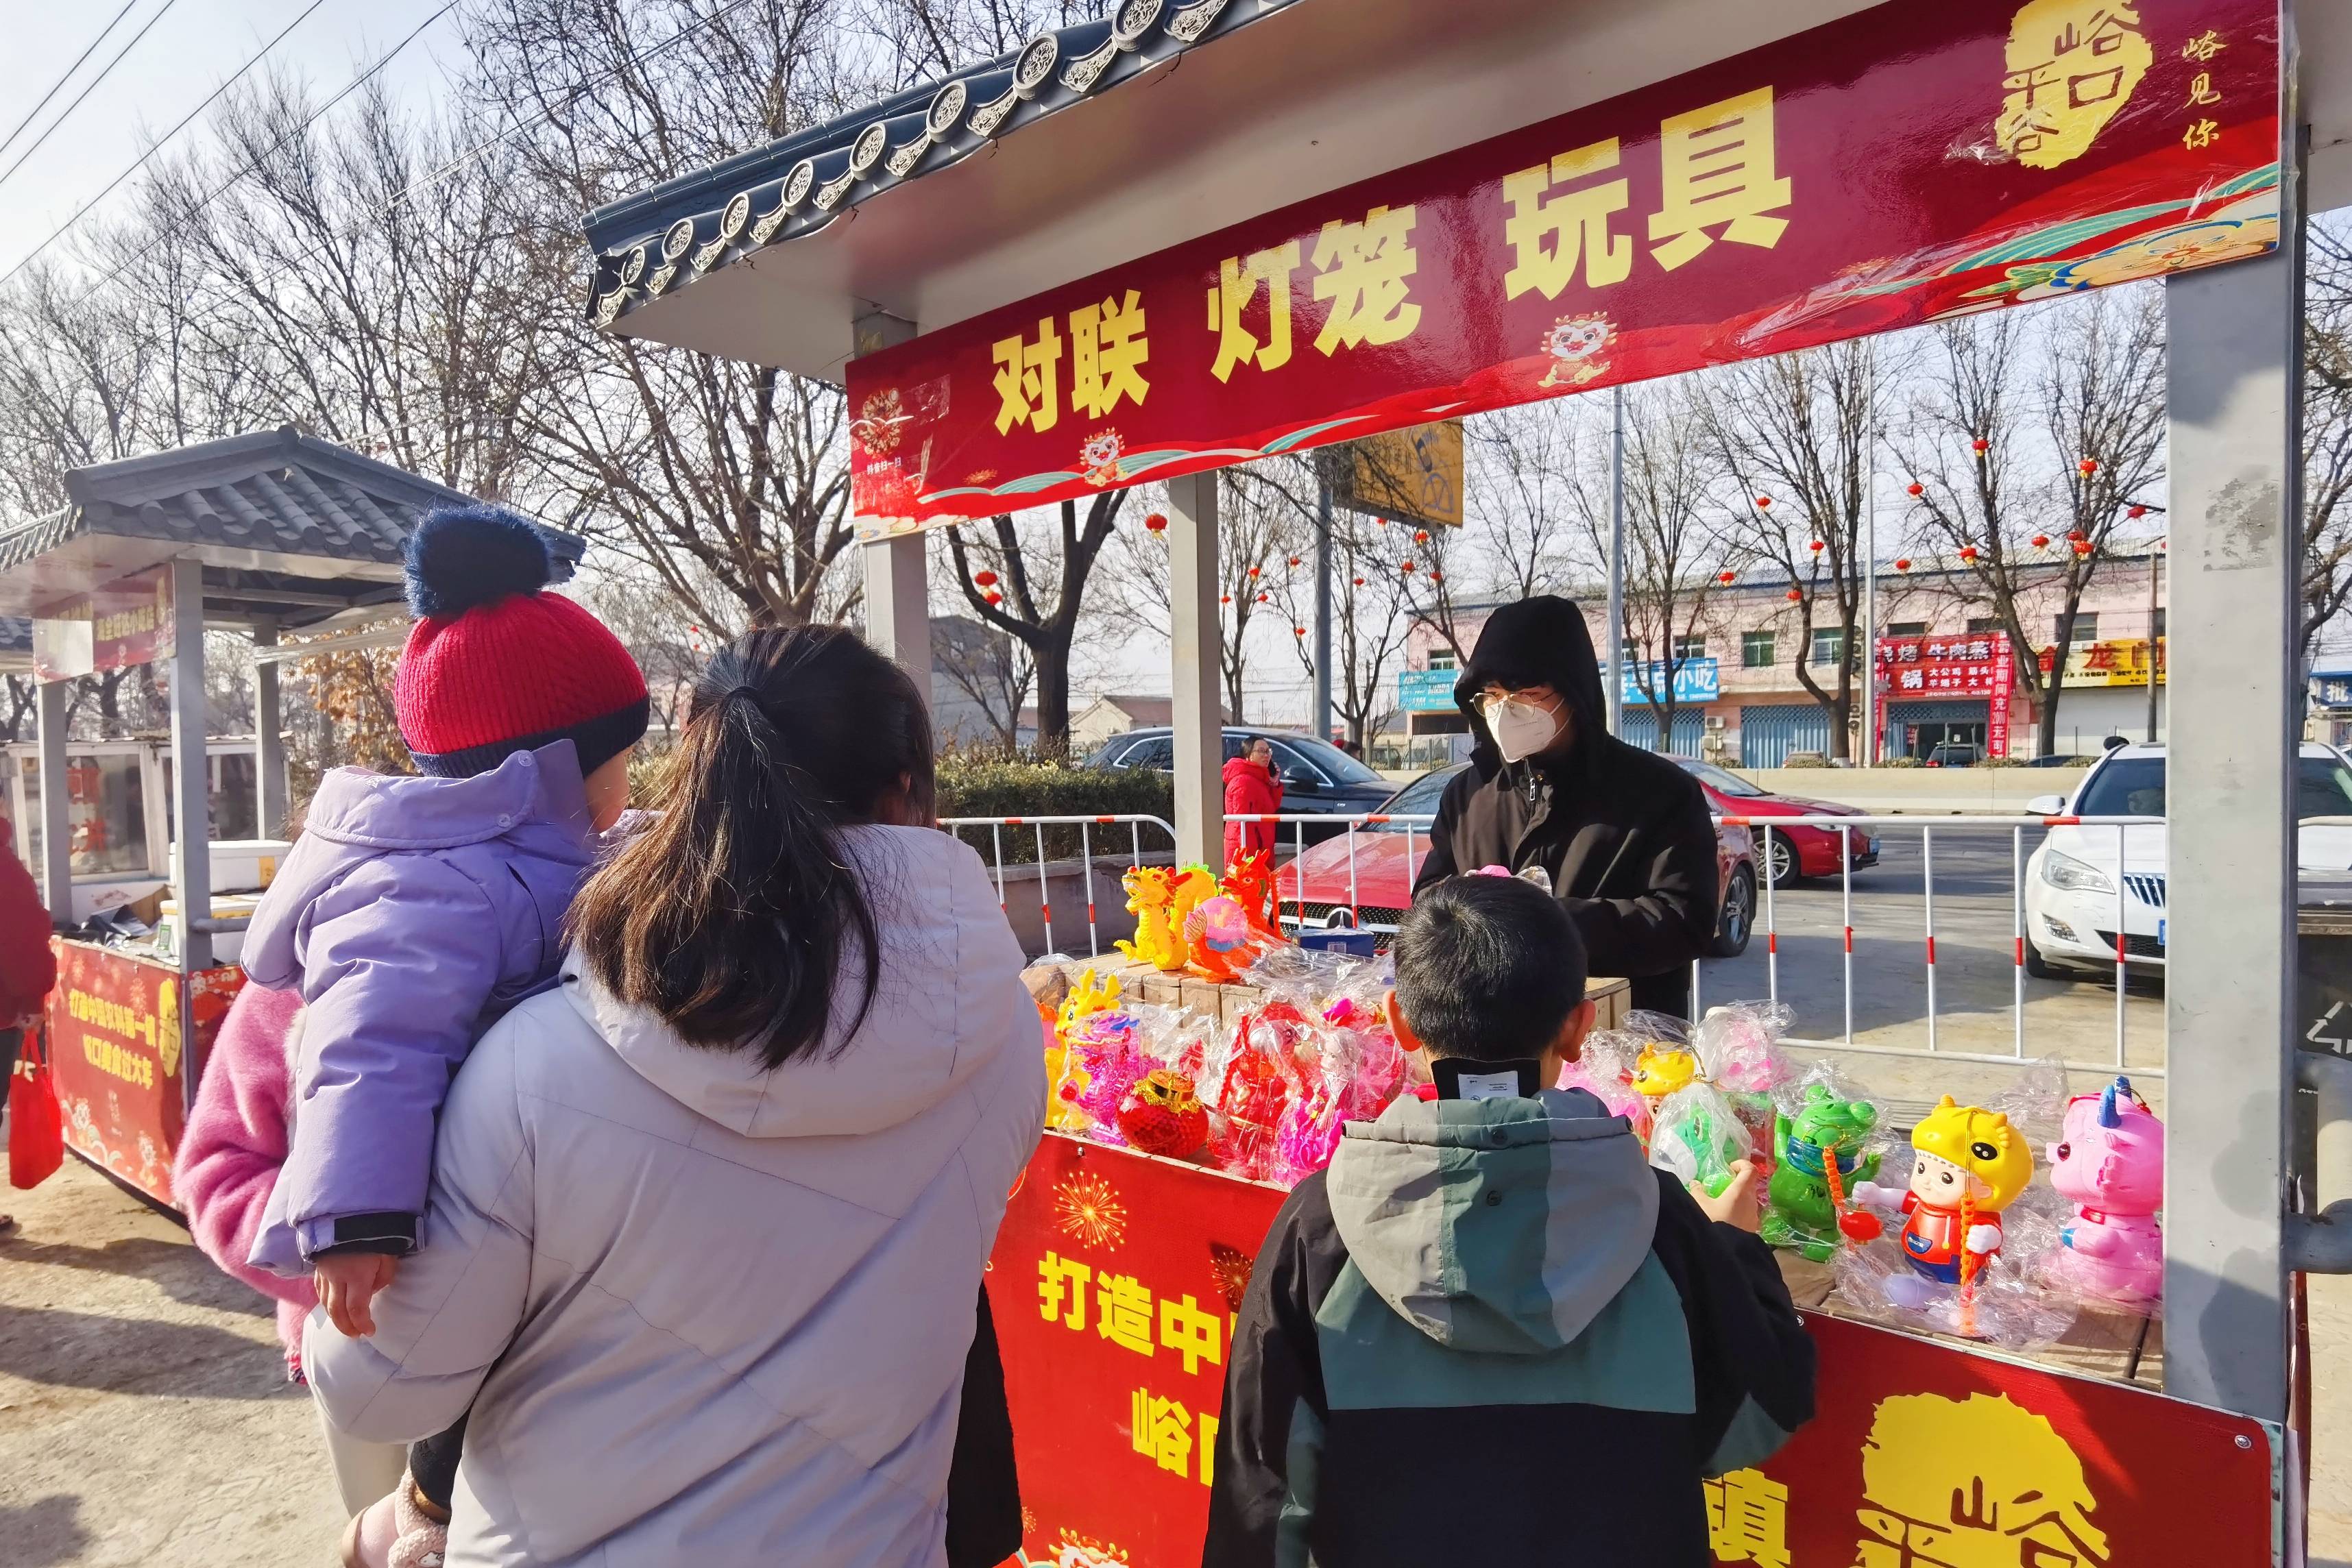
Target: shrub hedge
(1026, 785)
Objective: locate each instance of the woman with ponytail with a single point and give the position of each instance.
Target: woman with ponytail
(707, 1220)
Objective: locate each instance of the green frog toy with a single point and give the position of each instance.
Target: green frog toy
(1806, 1208)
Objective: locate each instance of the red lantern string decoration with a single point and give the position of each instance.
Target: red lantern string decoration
(2042, 541)
(1902, 563)
(1421, 536)
(1225, 599)
(2089, 466)
(1968, 552)
(2075, 537)
(1727, 577)
(2083, 547)
(1263, 598)
(1405, 567)
(1981, 446)
(986, 579)
(1380, 522)
(1157, 522)
(1360, 582)
(1916, 488)
(1294, 560)
(1795, 597)
(2137, 512)
(1254, 572)
(1301, 631)
(995, 598)
(1435, 575)
(1817, 546)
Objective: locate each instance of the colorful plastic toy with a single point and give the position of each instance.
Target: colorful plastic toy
(1220, 941)
(1090, 994)
(1249, 881)
(2110, 1162)
(1162, 1115)
(1968, 1164)
(1696, 1136)
(1818, 1155)
(1149, 891)
(1660, 1069)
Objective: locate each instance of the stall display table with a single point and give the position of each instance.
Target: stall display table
(128, 1036)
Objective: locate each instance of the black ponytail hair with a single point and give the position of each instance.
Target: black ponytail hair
(732, 914)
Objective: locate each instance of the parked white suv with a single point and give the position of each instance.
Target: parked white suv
(2072, 899)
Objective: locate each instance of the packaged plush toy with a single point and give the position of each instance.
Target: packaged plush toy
(1967, 1165)
(2110, 1164)
(1825, 1144)
(1695, 1134)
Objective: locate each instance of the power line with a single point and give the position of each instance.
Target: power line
(59, 85)
(148, 26)
(162, 141)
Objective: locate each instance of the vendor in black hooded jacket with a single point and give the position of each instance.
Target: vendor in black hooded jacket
(1623, 834)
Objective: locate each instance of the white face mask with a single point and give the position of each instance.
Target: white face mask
(1521, 726)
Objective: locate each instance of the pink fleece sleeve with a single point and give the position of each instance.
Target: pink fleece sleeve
(236, 1137)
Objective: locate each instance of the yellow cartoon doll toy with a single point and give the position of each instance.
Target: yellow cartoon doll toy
(1967, 1165)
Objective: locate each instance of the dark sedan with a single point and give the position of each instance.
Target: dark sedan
(1317, 777)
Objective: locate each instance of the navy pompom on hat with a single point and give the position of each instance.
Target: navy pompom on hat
(494, 664)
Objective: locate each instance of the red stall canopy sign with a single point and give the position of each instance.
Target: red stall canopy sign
(1902, 164)
(121, 624)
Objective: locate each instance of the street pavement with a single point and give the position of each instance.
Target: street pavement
(1976, 975)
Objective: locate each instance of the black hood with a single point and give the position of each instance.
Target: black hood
(1540, 641)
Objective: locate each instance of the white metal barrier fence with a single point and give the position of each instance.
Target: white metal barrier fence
(1311, 879)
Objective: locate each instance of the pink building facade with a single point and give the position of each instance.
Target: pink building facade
(1744, 705)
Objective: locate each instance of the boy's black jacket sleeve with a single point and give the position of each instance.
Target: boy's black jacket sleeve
(1272, 1365)
(1750, 1356)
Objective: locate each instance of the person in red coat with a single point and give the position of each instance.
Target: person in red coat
(28, 966)
(1252, 789)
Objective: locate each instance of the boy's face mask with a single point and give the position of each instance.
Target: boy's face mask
(1523, 723)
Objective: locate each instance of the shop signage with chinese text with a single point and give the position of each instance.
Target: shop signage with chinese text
(126, 622)
(1695, 681)
(2121, 662)
(1413, 474)
(1917, 669)
(1426, 691)
(1905, 163)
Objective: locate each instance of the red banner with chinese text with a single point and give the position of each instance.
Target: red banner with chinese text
(1916, 669)
(1905, 163)
(124, 622)
(119, 1037)
(1114, 1276)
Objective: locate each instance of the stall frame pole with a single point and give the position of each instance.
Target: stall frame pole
(56, 811)
(1193, 719)
(1613, 694)
(897, 569)
(191, 806)
(269, 740)
(2233, 399)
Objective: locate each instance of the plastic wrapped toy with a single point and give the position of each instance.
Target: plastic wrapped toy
(1220, 939)
(1660, 1070)
(1091, 993)
(2110, 1162)
(1821, 1150)
(1249, 881)
(1161, 1114)
(1739, 1047)
(1605, 1069)
(1696, 1135)
(1968, 1163)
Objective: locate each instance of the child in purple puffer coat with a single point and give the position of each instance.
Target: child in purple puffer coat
(415, 912)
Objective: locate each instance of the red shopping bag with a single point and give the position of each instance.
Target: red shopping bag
(37, 1128)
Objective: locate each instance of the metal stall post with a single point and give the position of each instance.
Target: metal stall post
(190, 775)
(898, 581)
(1194, 718)
(1613, 693)
(1322, 599)
(56, 811)
(269, 740)
(2234, 369)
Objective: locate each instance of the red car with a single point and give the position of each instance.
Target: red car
(1320, 889)
(1795, 852)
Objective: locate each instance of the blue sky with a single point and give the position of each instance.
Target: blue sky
(194, 46)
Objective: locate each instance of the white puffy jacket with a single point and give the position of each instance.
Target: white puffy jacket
(704, 1313)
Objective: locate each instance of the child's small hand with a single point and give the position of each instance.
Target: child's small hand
(1737, 1204)
(347, 1282)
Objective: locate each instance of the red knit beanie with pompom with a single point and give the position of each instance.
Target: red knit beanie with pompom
(495, 665)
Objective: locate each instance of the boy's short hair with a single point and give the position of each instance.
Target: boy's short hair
(1487, 968)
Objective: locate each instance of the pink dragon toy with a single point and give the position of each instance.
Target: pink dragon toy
(2110, 1162)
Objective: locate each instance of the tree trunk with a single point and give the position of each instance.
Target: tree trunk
(1052, 654)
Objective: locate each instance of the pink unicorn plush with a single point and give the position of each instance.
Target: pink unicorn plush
(2111, 1163)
